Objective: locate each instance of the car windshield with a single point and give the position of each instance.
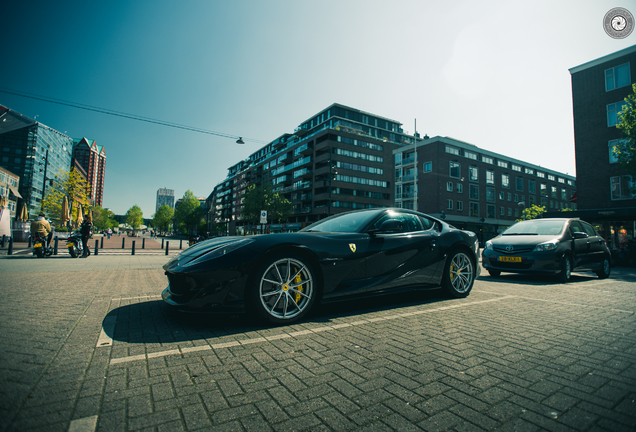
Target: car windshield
(536, 227)
(345, 222)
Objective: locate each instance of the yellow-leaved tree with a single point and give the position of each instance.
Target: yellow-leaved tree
(72, 185)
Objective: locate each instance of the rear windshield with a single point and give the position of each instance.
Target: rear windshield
(536, 227)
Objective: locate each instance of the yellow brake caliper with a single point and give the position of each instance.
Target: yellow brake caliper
(297, 280)
(452, 270)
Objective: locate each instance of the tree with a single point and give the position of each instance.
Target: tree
(134, 217)
(163, 218)
(532, 212)
(262, 197)
(70, 184)
(625, 150)
(103, 218)
(188, 213)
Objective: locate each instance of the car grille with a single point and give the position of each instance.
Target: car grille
(515, 251)
(181, 284)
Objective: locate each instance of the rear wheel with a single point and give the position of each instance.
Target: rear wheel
(604, 272)
(459, 275)
(39, 252)
(284, 290)
(566, 269)
(74, 251)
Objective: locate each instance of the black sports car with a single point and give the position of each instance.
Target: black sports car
(279, 277)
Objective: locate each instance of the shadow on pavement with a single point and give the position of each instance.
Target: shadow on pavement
(622, 274)
(156, 322)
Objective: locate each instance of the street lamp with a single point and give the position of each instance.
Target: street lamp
(240, 141)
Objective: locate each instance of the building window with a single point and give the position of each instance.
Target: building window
(613, 157)
(540, 174)
(470, 155)
(428, 166)
(529, 171)
(564, 194)
(516, 212)
(490, 211)
(449, 186)
(473, 192)
(554, 193)
(516, 168)
(473, 209)
(502, 211)
(502, 164)
(509, 211)
(490, 194)
(620, 187)
(519, 184)
(460, 205)
(454, 169)
(612, 113)
(551, 177)
(544, 190)
(473, 173)
(490, 177)
(501, 196)
(452, 150)
(617, 77)
(449, 204)
(460, 188)
(488, 160)
(532, 188)
(505, 181)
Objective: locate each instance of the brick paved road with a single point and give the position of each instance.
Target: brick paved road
(89, 345)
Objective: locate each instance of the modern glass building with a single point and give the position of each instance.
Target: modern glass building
(34, 152)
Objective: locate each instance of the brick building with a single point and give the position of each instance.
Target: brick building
(604, 193)
(92, 159)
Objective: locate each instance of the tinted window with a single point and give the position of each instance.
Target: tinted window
(410, 222)
(575, 226)
(536, 227)
(589, 229)
(345, 222)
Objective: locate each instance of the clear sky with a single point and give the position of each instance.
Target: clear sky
(491, 73)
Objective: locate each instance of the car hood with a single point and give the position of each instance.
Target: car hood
(521, 240)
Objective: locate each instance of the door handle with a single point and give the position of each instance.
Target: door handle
(433, 244)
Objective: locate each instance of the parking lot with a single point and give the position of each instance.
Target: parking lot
(89, 345)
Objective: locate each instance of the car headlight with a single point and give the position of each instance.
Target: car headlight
(220, 251)
(488, 245)
(547, 246)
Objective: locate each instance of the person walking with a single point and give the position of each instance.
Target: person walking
(109, 233)
(85, 230)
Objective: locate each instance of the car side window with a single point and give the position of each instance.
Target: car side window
(427, 223)
(410, 222)
(589, 229)
(575, 226)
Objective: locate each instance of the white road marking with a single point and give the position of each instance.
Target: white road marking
(107, 326)
(86, 424)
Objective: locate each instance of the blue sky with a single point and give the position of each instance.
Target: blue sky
(491, 73)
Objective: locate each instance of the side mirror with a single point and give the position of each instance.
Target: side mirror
(579, 235)
(391, 225)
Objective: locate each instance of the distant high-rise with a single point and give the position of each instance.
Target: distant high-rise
(165, 196)
(92, 159)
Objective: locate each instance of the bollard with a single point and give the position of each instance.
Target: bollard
(133, 248)
(96, 248)
(102, 244)
(167, 246)
(3, 239)
(29, 245)
(180, 244)
(55, 246)
(10, 250)
(123, 242)
(162, 244)
(143, 243)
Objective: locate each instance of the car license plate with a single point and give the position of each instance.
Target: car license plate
(37, 245)
(509, 259)
(69, 245)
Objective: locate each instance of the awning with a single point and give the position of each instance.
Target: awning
(15, 192)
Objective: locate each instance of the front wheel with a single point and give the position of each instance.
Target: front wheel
(604, 272)
(566, 269)
(459, 275)
(284, 290)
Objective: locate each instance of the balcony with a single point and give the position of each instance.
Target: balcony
(304, 149)
(301, 131)
(303, 173)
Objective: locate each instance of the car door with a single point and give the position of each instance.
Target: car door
(409, 256)
(580, 244)
(596, 250)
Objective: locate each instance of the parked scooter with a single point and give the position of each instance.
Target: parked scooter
(39, 246)
(74, 244)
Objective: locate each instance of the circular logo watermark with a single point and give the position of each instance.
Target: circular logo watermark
(618, 23)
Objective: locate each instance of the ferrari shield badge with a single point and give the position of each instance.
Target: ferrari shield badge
(352, 246)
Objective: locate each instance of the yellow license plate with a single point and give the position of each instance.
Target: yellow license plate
(37, 245)
(70, 245)
(509, 259)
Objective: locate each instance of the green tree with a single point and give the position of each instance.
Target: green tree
(188, 213)
(262, 197)
(103, 218)
(625, 150)
(70, 184)
(163, 218)
(134, 217)
(532, 212)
